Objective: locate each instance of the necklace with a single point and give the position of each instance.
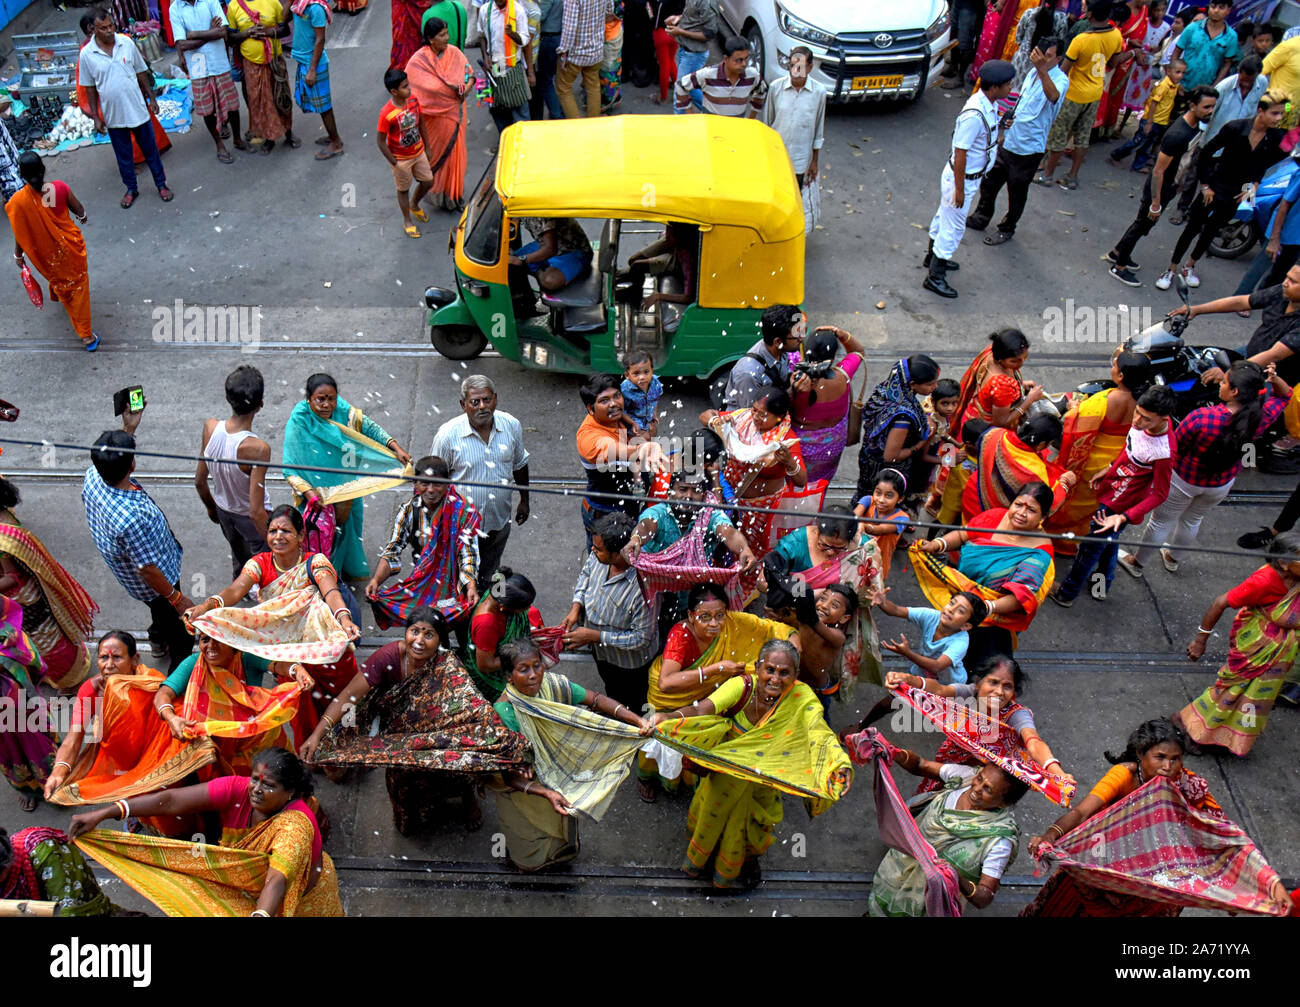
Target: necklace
(285, 569)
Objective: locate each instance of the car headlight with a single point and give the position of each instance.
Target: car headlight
(937, 29)
(792, 26)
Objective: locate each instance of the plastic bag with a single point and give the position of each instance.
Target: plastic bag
(33, 288)
(812, 206)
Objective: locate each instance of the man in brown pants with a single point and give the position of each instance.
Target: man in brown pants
(582, 47)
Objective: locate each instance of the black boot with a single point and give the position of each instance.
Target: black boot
(934, 280)
(929, 257)
(976, 223)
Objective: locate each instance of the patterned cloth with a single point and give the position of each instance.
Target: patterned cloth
(1155, 845)
(685, 562)
(44, 866)
(26, 757)
(10, 180)
(1195, 436)
(215, 95)
(582, 38)
(721, 97)
(892, 404)
(447, 560)
(130, 531)
(313, 97)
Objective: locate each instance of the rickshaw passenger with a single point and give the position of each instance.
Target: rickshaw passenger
(675, 254)
(558, 254)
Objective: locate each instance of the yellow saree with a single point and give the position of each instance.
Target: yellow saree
(1087, 449)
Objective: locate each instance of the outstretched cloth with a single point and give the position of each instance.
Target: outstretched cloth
(131, 752)
(582, 755)
(1153, 844)
(898, 829)
(685, 563)
(986, 739)
(434, 580)
(435, 720)
(792, 751)
(296, 625)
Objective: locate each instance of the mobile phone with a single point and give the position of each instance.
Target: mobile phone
(128, 398)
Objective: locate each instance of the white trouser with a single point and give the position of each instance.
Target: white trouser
(949, 222)
(1185, 507)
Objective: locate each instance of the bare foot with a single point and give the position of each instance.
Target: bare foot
(473, 813)
(647, 791)
(27, 802)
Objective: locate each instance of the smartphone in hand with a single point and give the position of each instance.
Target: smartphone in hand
(128, 399)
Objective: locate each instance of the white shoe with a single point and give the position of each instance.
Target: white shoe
(1166, 280)
(1189, 274)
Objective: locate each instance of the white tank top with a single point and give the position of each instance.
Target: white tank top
(229, 482)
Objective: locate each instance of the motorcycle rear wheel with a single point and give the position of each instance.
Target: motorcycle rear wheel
(1234, 240)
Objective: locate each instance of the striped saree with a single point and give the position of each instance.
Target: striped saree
(1088, 447)
(1006, 466)
(434, 579)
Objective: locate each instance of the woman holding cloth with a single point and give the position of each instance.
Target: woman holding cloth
(894, 425)
(820, 406)
(440, 77)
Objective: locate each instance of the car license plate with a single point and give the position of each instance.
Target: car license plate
(871, 83)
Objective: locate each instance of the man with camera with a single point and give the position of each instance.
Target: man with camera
(765, 366)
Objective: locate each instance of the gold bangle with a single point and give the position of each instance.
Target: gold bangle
(326, 718)
(218, 599)
(1059, 831)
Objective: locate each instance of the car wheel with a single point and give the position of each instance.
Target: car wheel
(457, 342)
(757, 54)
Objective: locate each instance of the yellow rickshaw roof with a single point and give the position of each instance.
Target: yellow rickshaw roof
(700, 169)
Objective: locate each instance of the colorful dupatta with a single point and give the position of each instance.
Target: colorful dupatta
(861, 568)
(246, 717)
(582, 755)
(749, 450)
(1262, 647)
(26, 757)
(69, 611)
(971, 382)
(1156, 846)
(741, 638)
(130, 751)
(1026, 573)
(1006, 466)
(685, 563)
(822, 448)
(996, 40)
(492, 684)
(977, 737)
(433, 720)
(290, 622)
(204, 879)
(1087, 449)
(891, 400)
(434, 580)
(45, 866)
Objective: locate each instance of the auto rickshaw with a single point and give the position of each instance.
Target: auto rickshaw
(729, 178)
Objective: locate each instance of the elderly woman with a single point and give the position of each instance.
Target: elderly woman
(436, 735)
(738, 805)
(324, 430)
(441, 80)
(116, 746)
(970, 824)
(441, 529)
(895, 431)
(1011, 459)
(270, 813)
(537, 819)
(300, 615)
(1262, 649)
(1000, 561)
(822, 393)
(763, 456)
(1154, 749)
(992, 389)
(712, 645)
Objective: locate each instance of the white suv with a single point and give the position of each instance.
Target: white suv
(864, 49)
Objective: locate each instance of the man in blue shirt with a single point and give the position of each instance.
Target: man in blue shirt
(1041, 98)
(312, 87)
(200, 28)
(1282, 245)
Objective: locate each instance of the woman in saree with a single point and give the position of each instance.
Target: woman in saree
(574, 770)
(997, 40)
(970, 823)
(1145, 69)
(712, 645)
(441, 80)
(1009, 460)
(1262, 647)
(505, 613)
(42, 865)
(300, 615)
(763, 456)
(1046, 20)
(324, 430)
(220, 696)
(436, 734)
(823, 392)
(1000, 561)
(44, 232)
(269, 862)
(992, 389)
(1155, 749)
(1094, 432)
(1133, 30)
(441, 529)
(895, 431)
(995, 686)
(26, 756)
(116, 745)
(58, 614)
(738, 805)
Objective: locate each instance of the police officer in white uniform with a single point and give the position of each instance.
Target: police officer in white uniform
(975, 140)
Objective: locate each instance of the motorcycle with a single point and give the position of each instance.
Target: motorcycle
(1254, 215)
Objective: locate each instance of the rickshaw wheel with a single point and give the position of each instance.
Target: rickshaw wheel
(457, 342)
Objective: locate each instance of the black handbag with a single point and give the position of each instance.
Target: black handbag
(510, 87)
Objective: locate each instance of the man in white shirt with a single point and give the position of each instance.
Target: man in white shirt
(200, 30)
(796, 109)
(489, 30)
(119, 88)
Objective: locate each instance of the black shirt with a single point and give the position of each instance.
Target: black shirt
(1277, 326)
(1228, 162)
(1178, 137)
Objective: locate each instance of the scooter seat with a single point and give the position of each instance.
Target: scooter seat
(585, 320)
(583, 292)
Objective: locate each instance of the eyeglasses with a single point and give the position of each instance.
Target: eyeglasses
(709, 617)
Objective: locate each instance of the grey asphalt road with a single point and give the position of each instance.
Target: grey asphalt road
(318, 250)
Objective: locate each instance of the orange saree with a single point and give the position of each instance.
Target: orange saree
(56, 248)
(440, 83)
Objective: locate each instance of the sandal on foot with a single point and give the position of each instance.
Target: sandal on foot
(998, 238)
(293, 142)
(412, 231)
(27, 802)
(166, 195)
(647, 791)
(326, 154)
(421, 215)
(128, 200)
(92, 344)
(225, 157)
(1067, 183)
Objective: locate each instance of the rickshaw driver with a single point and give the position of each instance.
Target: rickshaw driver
(558, 254)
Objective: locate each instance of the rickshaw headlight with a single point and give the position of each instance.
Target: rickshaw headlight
(477, 288)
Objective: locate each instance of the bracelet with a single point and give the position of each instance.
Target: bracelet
(62, 763)
(1207, 632)
(123, 810)
(528, 787)
(167, 706)
(701, 670)
(974, 890)
(1059, 831)
(335, 612)
(327, 719)
(1052, 762)
(617, 708)
(259, 912)
(331, 591)
(218, 599)
(176, 593)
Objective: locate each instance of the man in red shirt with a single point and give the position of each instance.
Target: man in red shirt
(398, 138)
(1136, 483)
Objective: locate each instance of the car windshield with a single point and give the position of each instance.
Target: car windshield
(483, 224)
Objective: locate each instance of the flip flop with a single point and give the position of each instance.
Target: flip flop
(412, 231)
(293, 142)
(166, 195)
(421, 215)
(93, 345)
(1041, 179)
(128, 200)
(325, 155)
(225, 157)
(322, 141)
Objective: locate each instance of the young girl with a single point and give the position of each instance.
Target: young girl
(884, 519)
(641, 393)
(944, 450)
